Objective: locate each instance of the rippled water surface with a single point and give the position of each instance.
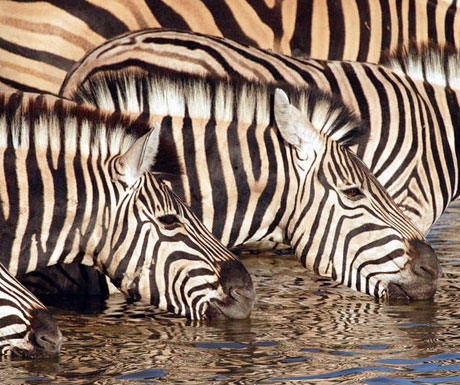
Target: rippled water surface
(304, 329)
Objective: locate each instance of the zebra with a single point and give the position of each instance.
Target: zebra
(27, 328)
(40, 41)
(421, 177)
(78, 190)
(260, 172)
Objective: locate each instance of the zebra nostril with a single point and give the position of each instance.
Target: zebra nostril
(44, 340)
(233, 293)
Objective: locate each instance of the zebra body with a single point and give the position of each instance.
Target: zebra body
(78, 190)
(26, 327)
(412, 140)
(40, 41)
(252, 184)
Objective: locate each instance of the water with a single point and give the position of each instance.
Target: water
(304, 329)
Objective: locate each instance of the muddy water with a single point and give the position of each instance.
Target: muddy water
(304, 329)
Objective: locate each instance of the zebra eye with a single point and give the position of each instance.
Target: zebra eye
(170, 221)
(353, 193)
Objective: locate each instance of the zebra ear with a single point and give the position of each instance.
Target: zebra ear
(294, 126)
(139, 158)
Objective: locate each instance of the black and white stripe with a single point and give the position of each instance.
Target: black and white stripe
(40, 41)
(77, 190)
(296, 182)
(411, 141)
(26, 327)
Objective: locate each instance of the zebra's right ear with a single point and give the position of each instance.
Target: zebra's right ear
(139, 158)
(294, 126)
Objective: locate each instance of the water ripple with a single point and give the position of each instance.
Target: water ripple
(303, 329)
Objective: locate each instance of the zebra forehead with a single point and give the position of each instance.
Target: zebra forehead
(198, 97)
(432, 63)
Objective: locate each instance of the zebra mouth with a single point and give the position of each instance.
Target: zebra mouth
(236, 293)
(34, 353)
(215, 310)
(396, 292)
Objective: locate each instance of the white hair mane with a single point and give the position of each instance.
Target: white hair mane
(437, 65)
(32, 122)
(203, 98)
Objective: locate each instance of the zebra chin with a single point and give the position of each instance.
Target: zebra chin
(420, 276)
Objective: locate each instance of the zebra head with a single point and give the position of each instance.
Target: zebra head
(26, 327)
(175, 262)
(345, 225)
(86, 195)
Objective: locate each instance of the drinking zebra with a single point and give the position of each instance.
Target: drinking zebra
(40, 41)
(411, 141)
(78, 190)
(26, 327)
(264, 172)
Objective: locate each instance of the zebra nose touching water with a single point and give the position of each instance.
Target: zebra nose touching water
(79, 190)
(423, 265)
(26, 327)
(262, 170)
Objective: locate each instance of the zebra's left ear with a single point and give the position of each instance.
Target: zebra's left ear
(294, 126)
(139, 158)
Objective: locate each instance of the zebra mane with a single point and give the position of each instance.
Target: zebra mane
(172, 94)
(38, 122)
(432, 63)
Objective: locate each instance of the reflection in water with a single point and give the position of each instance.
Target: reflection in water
(304, 329)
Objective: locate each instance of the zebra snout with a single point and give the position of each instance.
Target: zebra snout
(422, 273)
(238, 292)
(45, 335)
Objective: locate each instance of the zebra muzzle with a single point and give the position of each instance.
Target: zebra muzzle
(420, 276)
(45, 336)
(238, 291)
